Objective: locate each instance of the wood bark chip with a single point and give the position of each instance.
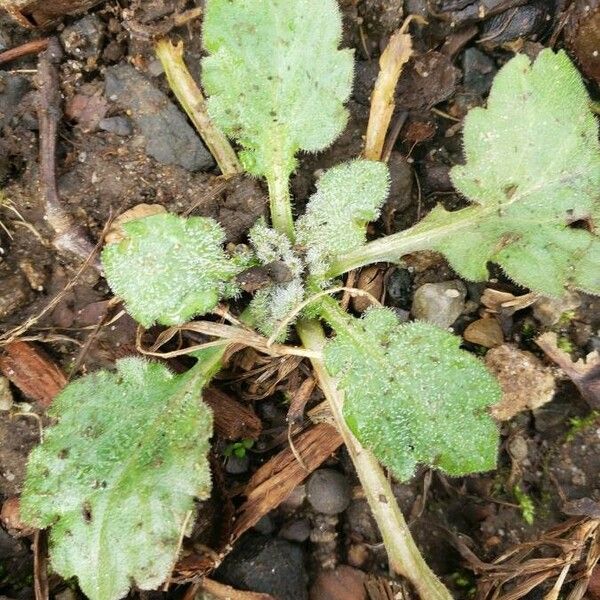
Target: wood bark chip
(69, 237)
(277, 478)
(295, 413)
(233, 420)
(226, 592)
(32, 371)
(40, 13)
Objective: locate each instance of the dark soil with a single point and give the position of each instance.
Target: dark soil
(111, 160)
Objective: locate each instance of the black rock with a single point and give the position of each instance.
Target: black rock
(267, 565)
(479, 71)
(297, 530)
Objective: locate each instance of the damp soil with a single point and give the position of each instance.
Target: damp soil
(109, 160)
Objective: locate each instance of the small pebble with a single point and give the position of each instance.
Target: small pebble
(265, 525)
(295, 499)
(268, 565)
(236, 465)
(479, 70)
(439, 303)
(399, 287)
(328, 491)
(296, 531)
(517, 446)
(548, 311)
(83, 39)
(343, 583)
(484, 332)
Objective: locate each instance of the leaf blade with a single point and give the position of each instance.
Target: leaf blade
(119, 472)
(412, 396)
(526, 191)
(348, 197)
(275, 82)
(169, 269)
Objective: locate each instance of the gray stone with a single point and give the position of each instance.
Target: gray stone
(12, 89)
(296, 531)
(439, 303)
(548, 311)
(117, 125)
(169, 138)
(236, 465)
(84, 38)
(328, 491)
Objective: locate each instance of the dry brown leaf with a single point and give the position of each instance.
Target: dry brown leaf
(370, 280)
(503, 302)
(584, 374)
(116, 233)
(526, 383)
(484, 332)
(393, 58)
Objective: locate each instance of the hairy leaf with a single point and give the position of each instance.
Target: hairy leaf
(169, 269)
(412, 396)
(532, 170)
(117, 475)
(348, 197)
(276, 80)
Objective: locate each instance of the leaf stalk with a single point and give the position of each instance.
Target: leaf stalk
(422, 236)
(403, 554)
(280, 200)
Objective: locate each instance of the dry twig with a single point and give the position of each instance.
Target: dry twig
(68, 236)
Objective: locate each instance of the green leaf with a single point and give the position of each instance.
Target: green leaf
(118, 474)
(532, 170)
(169, 269)
(276, 80)
(348, 197)
(412, 396)
(532, 174)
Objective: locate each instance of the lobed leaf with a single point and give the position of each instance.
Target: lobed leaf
(533, 172)
(412, 396)
(117, 475)
(169, 269)
(276, 80)
(348, 197)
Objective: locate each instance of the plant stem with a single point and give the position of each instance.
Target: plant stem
(403, 554)
(280, 201)
(422, 236)
(191, 99)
